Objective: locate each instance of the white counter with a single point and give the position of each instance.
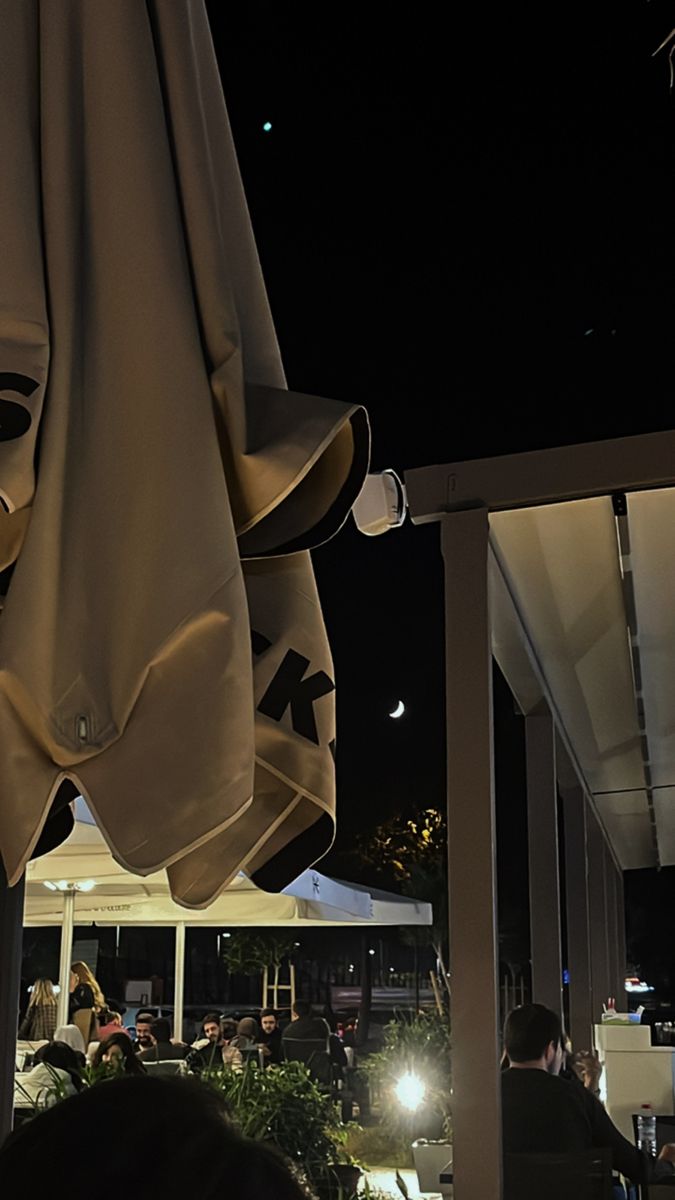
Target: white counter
(635, 1073)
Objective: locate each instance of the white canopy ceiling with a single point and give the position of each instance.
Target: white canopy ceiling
(120, 898)
(583, 613)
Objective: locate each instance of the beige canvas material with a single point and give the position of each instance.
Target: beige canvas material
(126, 660)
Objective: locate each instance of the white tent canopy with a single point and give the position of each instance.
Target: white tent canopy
(54, 896)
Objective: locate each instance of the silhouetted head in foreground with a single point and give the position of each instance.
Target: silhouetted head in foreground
(172, 1140)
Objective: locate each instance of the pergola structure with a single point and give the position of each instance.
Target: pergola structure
(560, 564)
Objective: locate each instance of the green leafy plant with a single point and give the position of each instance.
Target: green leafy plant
(417, 1045)
(50, 1094)
(283, 1105)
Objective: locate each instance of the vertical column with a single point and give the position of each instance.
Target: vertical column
(542, 825)
(471, 857)
(11, 924)
(619, 933)
(576, 899)
(65, 957)
(612, 928)
(179, 981)
(600, 980)
(621, 937)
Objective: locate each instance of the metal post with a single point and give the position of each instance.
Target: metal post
(66, 957)
(179, 985)
(578, 938)
(542, 827)
(477, 1159)
(11, 924)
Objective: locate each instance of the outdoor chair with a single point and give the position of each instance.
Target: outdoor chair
(313, 1053)
(167, 1066)
(583, 1176)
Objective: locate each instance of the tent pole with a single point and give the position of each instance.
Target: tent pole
(11, 922)
(179, 986)
(66, 957)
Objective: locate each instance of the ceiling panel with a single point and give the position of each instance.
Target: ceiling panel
(651, 521)
(561, 564)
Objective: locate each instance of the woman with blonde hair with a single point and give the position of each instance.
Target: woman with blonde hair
(86, 1001)
(39, 1022)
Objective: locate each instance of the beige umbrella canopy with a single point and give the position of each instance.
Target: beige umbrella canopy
(161, 646)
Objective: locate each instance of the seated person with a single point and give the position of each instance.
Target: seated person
(56, 1074)
(162, 1048)
(72, 1036)
(542, 1113)
(303, 1027)
(109, 1022)
(144, 1039)
(307, 1040)
(588, 1068)
(210, 1034)
(206, 1051)
(117, 1052)
(270, 1036)
(248, 1034)
(188, 1147)
(231, 1055)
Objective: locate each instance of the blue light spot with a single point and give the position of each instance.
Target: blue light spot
(566, 976)
(267, 127)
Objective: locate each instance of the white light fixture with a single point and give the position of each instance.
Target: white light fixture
(86, 885)
(227, 935)
(381, 504)
(410, 1091)
(371, 951)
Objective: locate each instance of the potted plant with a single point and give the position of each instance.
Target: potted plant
(412, 1073)
(283, 1105)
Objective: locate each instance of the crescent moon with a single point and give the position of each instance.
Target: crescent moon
(399, 710)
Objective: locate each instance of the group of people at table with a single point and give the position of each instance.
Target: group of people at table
(95, 1035)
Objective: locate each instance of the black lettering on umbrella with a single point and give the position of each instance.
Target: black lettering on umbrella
(289, 687)
(15, 418)
(259, 643)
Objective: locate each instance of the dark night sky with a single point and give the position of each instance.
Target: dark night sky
(442, 213)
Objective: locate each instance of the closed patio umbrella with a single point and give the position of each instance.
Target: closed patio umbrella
(162, 649)
(161, 646)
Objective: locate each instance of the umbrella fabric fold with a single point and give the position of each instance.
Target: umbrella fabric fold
(188, 695)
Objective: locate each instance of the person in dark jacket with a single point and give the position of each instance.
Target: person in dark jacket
(270, 1036)
(304, 1027)
(162, 1048)
(542, 1113)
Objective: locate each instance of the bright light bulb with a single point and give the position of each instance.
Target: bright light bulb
(410, 1091)
(48, 884)
(267, 127)
(87, 885)
(62, 885)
